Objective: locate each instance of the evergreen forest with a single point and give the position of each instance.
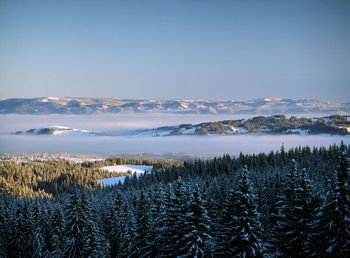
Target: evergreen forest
(286, 203)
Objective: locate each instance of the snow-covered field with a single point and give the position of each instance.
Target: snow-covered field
(137, 169)
(127, 168)
(299, 131)
(239, 129)
(115, 180)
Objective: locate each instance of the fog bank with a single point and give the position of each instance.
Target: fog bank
(200, 146)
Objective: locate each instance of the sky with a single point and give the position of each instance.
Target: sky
(183, 49)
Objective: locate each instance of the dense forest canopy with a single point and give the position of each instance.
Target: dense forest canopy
(288, 203)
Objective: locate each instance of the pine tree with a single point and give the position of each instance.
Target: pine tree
(110, 229)
(22, 239)
(127, 231)
(141, 244)
(39, 244)
(57, 230)
(246, 230)
(76, 222)
(196, 239)
(224, 244)
(172, 218)
(118, 225)
(333, 225)
(95, 245)
(294, 215)
(164, 223)
(4, 225)
(155, 220)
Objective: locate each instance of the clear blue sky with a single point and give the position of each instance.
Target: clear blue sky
(216, 50)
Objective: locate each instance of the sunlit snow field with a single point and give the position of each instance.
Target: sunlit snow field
(118, 125)
(133, 169)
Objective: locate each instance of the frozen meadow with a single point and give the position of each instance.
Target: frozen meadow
(133, 169)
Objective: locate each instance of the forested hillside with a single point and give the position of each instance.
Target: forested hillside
(289, 203)
(276, 124)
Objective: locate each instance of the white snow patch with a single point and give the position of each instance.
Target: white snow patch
(62, 130)
(135, 169)
(189, 131)
(313, 120)
(71, 132)
(326, 119)
(298, 130)
(126, 168)
(114, 180)
(239, 129)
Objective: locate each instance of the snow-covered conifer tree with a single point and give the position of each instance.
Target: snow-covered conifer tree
(333, 224)
(196, 239)
(76, 222)
(246, 230)
(294, 215)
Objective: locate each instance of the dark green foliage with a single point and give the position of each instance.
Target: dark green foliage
(76, 218)
(241, 229)
(199, 208)
(196, 240)
(294, 214)
(48, 178)
(141, 244)
(57, 232)
(247, 228)
(333, 225)
(276, 124)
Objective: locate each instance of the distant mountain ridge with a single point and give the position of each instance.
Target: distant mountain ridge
(267, 106)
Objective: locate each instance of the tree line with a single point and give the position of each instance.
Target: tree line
(288, 203)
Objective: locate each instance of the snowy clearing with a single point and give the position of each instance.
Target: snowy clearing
(126, 168)
(239, 129)
(189, 131)
(135, 169)
(114, 180)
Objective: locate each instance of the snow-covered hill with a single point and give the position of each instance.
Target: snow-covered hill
(56, 130)
(276, 124)
(67, 105)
